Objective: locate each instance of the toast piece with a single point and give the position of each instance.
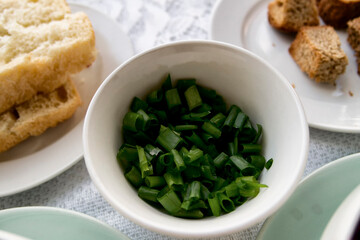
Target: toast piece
(317, 51)
(36, 51)
(291, 15)
(353, 31)
(338, 12)
(34, 116)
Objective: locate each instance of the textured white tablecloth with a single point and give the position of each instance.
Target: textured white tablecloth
(150, 23)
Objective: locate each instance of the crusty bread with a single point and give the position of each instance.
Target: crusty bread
(353, 31)
(40, 41)
(317, 50)
(338, 12)
(291, 15)
(34, 116)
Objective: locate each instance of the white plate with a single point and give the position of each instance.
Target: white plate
(43, 223)
(41, 158)
(309, 209)
(332, 108)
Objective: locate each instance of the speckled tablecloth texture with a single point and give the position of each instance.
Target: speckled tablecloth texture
(149, 23)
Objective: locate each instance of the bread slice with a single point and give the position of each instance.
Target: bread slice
(40, 41)
(353, 31)
(317, 50)
(34, 116)
(291, 15)
(338, 12)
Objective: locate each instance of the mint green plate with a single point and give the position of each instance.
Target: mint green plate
(307, 212)
(44, 223)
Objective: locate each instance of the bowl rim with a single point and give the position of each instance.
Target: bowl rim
(226, 229)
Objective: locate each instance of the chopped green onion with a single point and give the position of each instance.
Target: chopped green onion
(220, 160)
(172, 98)
(134, 177)
(250, 148)
(145, 166)
(168, 139)
(211, 129)
(169, 200)
(214, 205)
(138, 104)
(269, 163)
(149, 194)
(155, 181)
(218, 120)
(225, 202)
(193, 97)
(188, 127)
(174, 181)
(178, 160)
(132, 121)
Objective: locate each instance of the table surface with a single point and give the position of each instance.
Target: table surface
(149, 23)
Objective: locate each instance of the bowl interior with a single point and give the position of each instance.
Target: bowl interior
(242, 79)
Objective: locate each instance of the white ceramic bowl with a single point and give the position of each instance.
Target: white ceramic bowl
(344, 221)
(243, 79)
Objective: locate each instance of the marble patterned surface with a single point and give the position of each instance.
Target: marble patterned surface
(149, 23)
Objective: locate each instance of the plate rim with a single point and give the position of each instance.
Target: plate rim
(305, 180)
(62, 211)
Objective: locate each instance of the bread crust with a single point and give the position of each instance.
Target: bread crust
(36, 115)
(317, 51)
(291, 15)
(37, 52)
(338, 12)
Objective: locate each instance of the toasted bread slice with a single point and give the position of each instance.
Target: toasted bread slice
(338, 12)
(353, 31)
(37, 50)
(317, 51)
(34, 116)
(291, 15)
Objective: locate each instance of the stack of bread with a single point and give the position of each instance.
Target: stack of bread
(41, 45)
(317, 49)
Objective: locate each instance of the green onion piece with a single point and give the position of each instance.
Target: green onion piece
(174, 181)
(127, 154)
(146, 119)
(155, 97)
(204, 190)
(214, 205)
(192, 172)
(132, 121)
(250, 148)
(240, 120)
(248, 186)
(149, 194)
(183, 84)
(258, 133)
(193, 155)
(208, 172)
(152, 150)
(219, 183)
(230, 119)
(239, 200)
(192, 205)
(161, 115)
(155, 181)
(180, 128)
(204, 108)
(269, 163)
(225, 202)
(232, 148)
(195, 214)
(192, 97)
(218, 120)
(138, 104)
(167, 85)
(169, 200)
(178, 160)
(143, 163)
(134, 177)
(232, 190)
(166, 159)
(197, 141)
(172, 98)
(168, 139)
(211, 129)
(242, 164)
(258, 161)
(195, 117)
(207, 137)
(220, 160)
(193, 191)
